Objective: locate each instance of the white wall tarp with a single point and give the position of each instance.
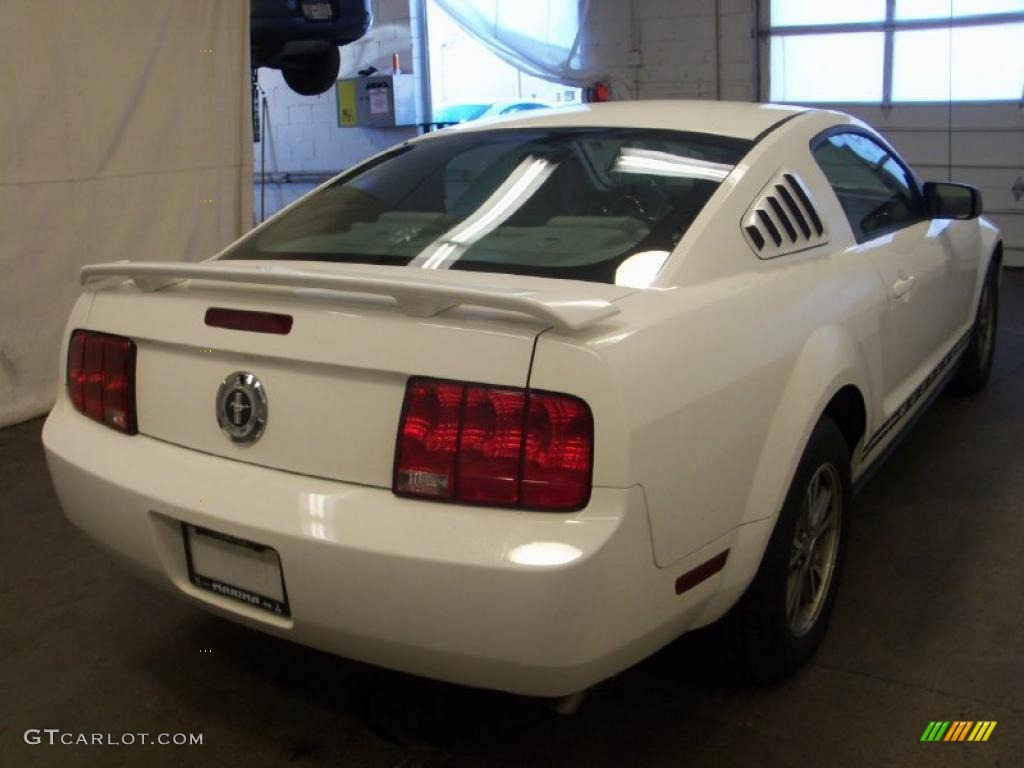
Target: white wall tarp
(125, 133)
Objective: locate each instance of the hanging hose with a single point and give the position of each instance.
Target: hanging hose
(263, 151)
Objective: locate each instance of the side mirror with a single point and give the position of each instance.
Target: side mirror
(952, 201)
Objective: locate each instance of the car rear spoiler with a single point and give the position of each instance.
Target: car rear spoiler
(416, 295)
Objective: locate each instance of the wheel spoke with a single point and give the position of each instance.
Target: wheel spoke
(812, 495)
(793, 589)
(819, 571)
(812, 587)
(825, 516)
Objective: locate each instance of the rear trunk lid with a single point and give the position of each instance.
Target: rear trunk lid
(335, 382)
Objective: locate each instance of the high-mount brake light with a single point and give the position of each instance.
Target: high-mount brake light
(247, 320)
(101, 378)
(495, 446)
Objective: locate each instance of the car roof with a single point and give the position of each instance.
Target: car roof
(738, 119)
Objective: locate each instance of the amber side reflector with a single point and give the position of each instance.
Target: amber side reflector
(245, 320)
(702, 572)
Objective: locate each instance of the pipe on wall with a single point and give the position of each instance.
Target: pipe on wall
(634, 42)
(759, 94)
(718, 51)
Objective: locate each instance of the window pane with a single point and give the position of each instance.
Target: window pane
(597, 204)
(942, 9)
(986, 64)
(817, 12)
(875, 191)
(827, 68)
(469, 81)
(920, 65)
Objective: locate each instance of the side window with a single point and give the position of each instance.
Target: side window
(877, 193)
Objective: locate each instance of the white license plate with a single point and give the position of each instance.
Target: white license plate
(317, 11)
(237, 569)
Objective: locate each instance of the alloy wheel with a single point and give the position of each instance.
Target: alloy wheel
(815, 549)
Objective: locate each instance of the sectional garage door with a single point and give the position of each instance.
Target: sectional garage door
(943, 80)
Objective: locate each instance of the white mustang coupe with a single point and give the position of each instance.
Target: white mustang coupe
(515, 404)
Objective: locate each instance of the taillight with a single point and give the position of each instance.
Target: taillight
(428, 438)
(559, 446)
(499, 446)
(490, 446)
(101, 378)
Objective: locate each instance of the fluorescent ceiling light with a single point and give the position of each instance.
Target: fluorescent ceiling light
(654, 163)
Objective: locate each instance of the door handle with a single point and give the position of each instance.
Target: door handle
(902, 286)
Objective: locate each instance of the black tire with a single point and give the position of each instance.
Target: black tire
(768, 641)
(314, 73)
(976, 363)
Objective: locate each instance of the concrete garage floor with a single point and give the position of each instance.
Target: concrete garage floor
(929, 626)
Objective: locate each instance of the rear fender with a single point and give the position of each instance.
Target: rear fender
(828, 361)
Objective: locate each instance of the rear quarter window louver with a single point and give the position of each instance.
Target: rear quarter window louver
(783, 219)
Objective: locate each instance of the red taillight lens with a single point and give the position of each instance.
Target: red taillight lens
(101, 378)
(489, 446)
(499, 446)
(559, 447)
(428, 439)
(76, 370)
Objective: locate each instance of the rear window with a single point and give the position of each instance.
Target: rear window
(582, 204)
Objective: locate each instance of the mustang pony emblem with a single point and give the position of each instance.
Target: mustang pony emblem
(241, 407)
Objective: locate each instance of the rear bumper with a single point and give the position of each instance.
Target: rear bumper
(531, 603)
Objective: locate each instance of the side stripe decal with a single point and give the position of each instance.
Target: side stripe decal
(908, 405)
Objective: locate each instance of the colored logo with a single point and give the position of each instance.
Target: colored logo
(958, 730)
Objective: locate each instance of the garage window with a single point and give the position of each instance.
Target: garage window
(875, 51)
(511, 65)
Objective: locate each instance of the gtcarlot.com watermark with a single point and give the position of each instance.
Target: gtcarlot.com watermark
(57, 737)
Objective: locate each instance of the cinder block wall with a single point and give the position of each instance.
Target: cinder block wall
(665, 49)
(652, 49)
